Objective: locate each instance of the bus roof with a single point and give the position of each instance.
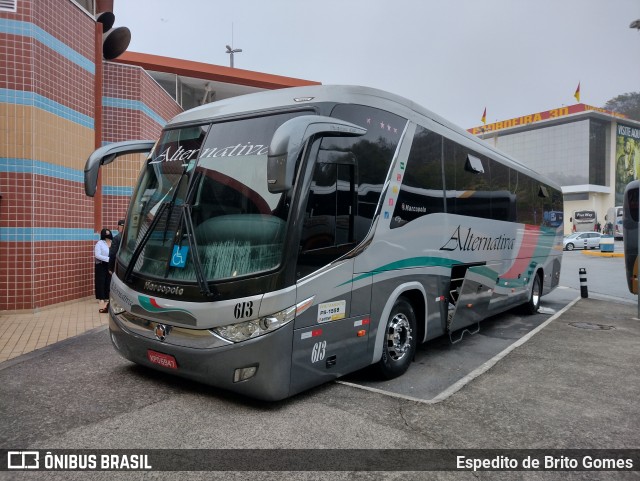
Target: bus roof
(297, 97)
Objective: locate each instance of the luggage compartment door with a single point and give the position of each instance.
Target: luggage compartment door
(473, 297)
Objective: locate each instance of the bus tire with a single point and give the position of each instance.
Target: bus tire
(400, 340)
(532, 306)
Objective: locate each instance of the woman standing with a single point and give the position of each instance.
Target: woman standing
(103, 278)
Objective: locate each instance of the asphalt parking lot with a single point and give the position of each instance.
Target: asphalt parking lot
(456, 364)
(572, 384)
(567, 387)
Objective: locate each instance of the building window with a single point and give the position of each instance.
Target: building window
(597, 153)
(578, 196)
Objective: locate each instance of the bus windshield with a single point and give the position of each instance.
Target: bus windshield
(202, 208)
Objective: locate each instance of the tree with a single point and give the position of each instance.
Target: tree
(627, 104)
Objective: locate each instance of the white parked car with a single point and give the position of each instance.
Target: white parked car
(582, 240)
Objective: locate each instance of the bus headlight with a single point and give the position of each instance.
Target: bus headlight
(242, 331)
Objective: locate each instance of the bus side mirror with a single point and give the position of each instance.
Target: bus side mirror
(289, 140)
(570, 219)
(107, 154)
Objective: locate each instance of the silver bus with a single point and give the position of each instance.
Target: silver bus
(584, 221)
(614, 220)
(279, 240)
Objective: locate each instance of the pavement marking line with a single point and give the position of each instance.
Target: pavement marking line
(383, 392)
(473, 374)
(491, 362)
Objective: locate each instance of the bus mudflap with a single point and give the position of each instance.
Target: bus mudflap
(469, 301)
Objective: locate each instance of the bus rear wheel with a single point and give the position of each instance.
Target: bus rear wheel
(400, 341)
(532, 306)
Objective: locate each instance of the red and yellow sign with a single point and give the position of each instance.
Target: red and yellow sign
(549, 114)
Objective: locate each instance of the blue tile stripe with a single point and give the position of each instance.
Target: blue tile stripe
(37, 167)
(133, 105)
(46, 234)
(117, 191)
(32, 99)
(26, 166)
(27, 29)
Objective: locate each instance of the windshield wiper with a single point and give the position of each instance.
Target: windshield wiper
(172, 202)
(187, 222)
(193, 246)
(152, 227)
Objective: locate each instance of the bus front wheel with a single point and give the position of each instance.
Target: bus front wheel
(400, 339)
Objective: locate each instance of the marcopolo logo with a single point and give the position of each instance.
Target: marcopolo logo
(413, 208)
(163, 289)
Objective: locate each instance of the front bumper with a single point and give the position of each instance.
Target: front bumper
(271, 354)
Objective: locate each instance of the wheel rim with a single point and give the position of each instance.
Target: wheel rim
(569, 247)
(399, 337)
(535, 292)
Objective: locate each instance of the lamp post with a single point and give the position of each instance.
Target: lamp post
(636, 24)
(231, 51)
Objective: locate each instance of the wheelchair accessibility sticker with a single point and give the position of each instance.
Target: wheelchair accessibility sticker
(179, 256)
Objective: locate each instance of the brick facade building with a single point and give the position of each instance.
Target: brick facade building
(59, 100)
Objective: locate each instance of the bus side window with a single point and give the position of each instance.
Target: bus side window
(527, 199)
(421, 190)
(468, 187)
(328, 225)
(372, 154)
(320, 216)
(503, 201)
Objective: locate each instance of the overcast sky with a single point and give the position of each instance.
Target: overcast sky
(454, 57)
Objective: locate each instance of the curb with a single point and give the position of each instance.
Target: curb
(603, 254)
(45, 349)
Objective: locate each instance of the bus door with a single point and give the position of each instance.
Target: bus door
(469, 296)
(330, 337)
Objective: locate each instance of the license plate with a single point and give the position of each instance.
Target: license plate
(164, 360)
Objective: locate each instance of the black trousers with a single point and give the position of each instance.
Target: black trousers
(103, 280)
